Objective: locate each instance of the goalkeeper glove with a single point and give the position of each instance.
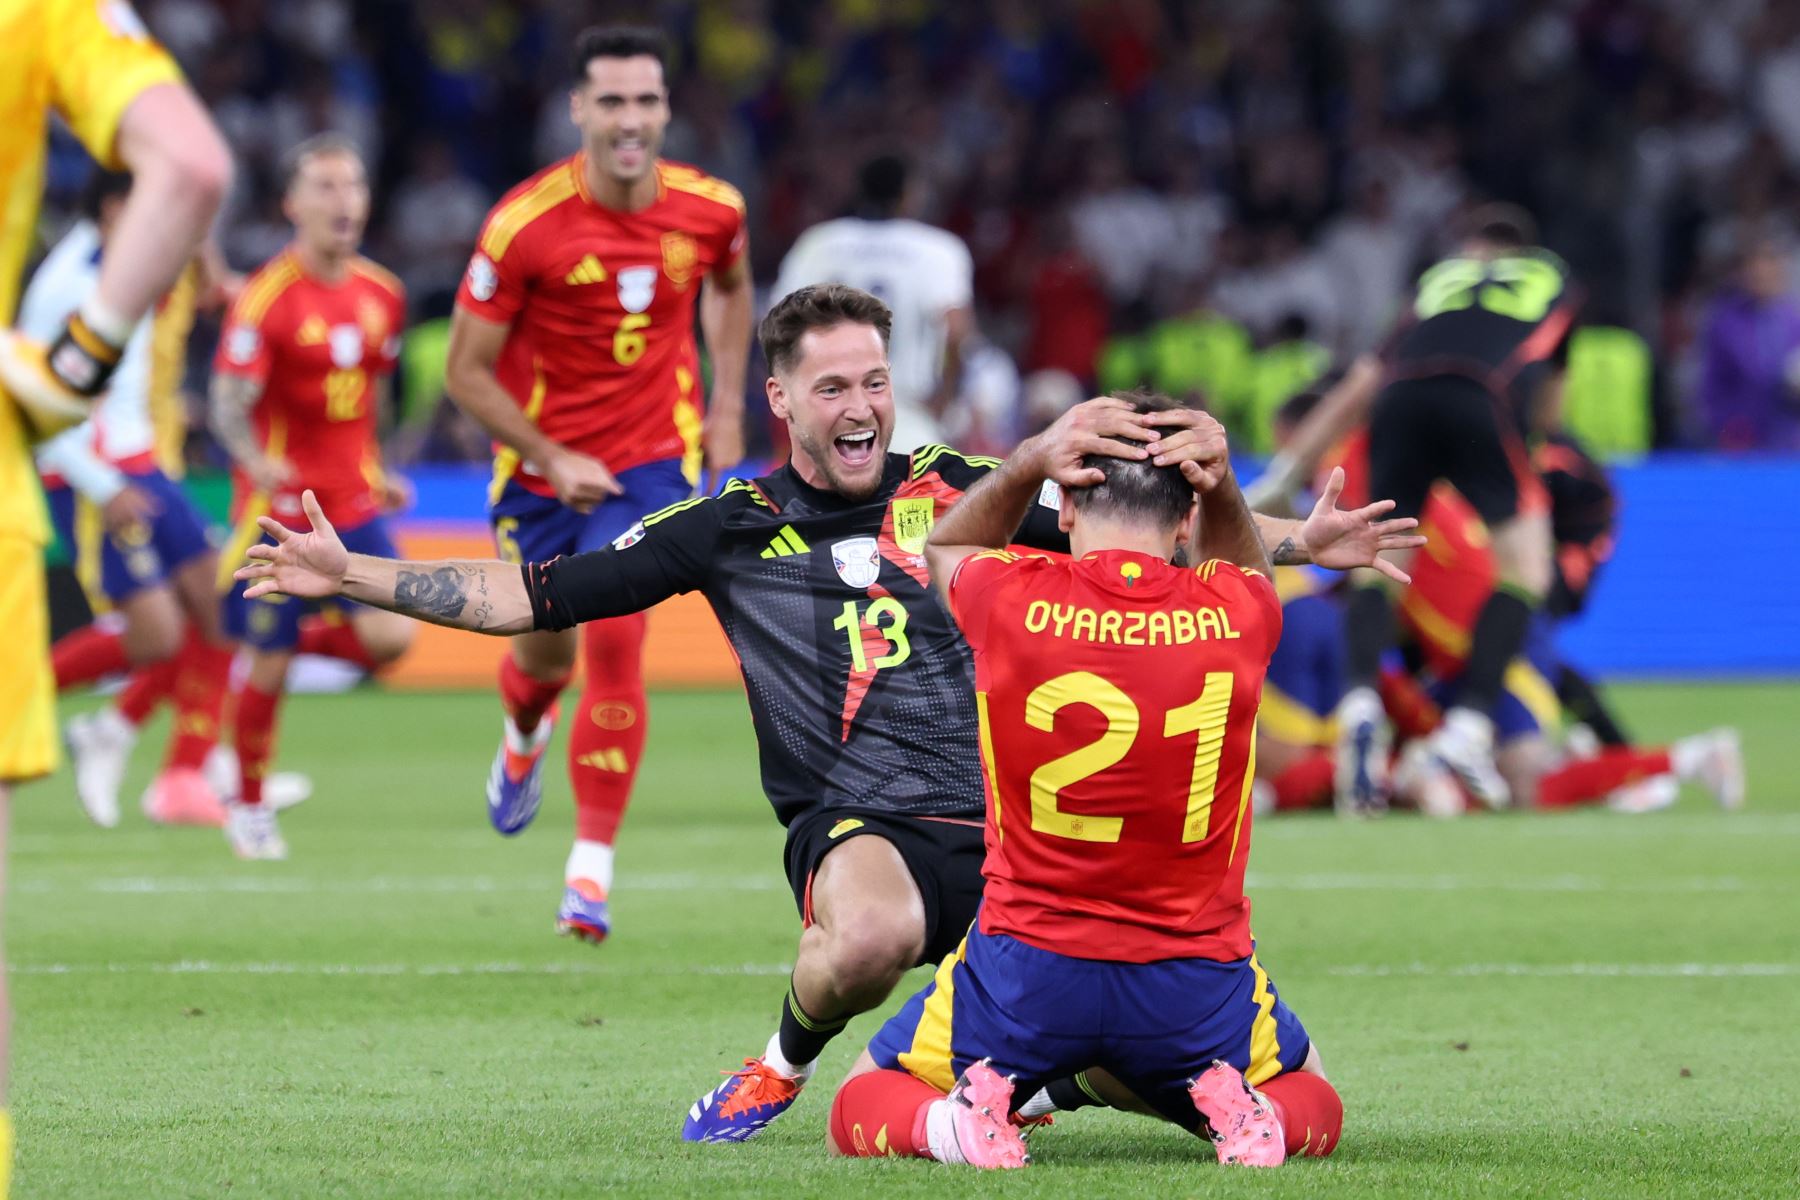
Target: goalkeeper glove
(55, 386)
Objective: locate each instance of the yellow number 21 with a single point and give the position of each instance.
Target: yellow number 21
(1205, 717)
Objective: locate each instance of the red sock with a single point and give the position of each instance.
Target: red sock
(146, 688)
(86, 655)
(525, 699)
(255, 738)
(1413, 712)
(1590, 779)
(606, 734)
(201, 684)
(881, 1114)
(334, 637)
(1306, 784)
(1311, 1112)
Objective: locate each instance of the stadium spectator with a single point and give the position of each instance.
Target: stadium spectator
(1647, 137)
(1749, 392)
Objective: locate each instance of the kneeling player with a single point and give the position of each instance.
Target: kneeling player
(1118, 694)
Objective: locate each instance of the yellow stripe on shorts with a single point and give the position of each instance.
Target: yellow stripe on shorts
(929, 1058)
(1265, 1039)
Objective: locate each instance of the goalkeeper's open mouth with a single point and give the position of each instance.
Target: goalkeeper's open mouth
(856, 449)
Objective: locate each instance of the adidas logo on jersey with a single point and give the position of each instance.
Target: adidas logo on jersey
(588, 270)
(785, 543)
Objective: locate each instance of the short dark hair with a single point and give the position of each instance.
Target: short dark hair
(1504, 225)
(1138, 488)
(314, 147)
(101, 187)
(817, 306)
(882, 182)
(617, 41)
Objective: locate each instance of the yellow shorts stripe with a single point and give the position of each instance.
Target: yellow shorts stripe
(929, 1057)
(90, 538)
(245, 535)
(28, 700)
(1287, 720)
(1265, 1039)
(1528, 686)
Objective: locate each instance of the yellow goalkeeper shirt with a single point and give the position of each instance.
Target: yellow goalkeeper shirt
(87, 60)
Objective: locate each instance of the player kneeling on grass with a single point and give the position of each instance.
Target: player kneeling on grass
(1119, 696)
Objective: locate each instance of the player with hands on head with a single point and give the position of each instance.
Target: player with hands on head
(1118, 694)
(860, 688)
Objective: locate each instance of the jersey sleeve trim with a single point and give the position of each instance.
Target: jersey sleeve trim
(264, 290)
(377, 274)
(512, 216)
(926, 457)
(679, 178)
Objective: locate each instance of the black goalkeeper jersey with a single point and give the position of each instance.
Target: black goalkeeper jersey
(861, 687)
(1490, 320)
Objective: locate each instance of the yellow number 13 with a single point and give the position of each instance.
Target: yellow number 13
(1205, 717)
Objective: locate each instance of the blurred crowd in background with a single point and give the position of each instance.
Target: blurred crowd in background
(1225, 197)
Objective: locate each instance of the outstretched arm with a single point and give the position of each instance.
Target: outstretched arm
(487, 597)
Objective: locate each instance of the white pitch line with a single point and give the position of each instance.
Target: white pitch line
(1687, 970)
(1378, 882)
(206, 967)
(280, 885)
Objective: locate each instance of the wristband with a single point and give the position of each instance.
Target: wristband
(81, 359)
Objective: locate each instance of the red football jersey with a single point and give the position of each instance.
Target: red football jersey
(1452, 577)
(1118, 699)
(317, 349)
(601, 352)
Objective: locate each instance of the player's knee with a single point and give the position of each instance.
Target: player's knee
(153, 641)
(867, 957)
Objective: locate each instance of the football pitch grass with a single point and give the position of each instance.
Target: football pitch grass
(1527, 1005)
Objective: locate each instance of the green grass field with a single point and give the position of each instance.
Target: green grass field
(1572, 1005)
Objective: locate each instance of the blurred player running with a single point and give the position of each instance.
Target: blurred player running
(573, 345)
(140, 545)
(1118, 697)
(299, 375)
(1487, 332)
(124, 99)
(859, 685)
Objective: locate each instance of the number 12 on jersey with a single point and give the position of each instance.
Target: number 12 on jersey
(1205, 717)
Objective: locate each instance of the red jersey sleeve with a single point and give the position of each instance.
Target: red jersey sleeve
(1252, 587)
(974, 586)
(390, 346)
(729, 241)
(244, 347)
(499, 274)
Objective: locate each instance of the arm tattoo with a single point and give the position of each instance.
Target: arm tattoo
(441, 594)
(228, 413)
(1287, 554)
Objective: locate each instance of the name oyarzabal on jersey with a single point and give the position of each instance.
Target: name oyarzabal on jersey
(861, 687)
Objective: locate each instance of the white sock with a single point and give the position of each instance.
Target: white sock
(775, 1060)
(593, 861)
(1039, 1105)
(940, 1132)
(113, 722)
(1688, 754)
(1469, 725)
(527, 743)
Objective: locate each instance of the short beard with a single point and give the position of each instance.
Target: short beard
(824, 459)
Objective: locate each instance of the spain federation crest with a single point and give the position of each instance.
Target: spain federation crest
(858, 561)
(680, 256)
(913, 519)
(637, 288)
